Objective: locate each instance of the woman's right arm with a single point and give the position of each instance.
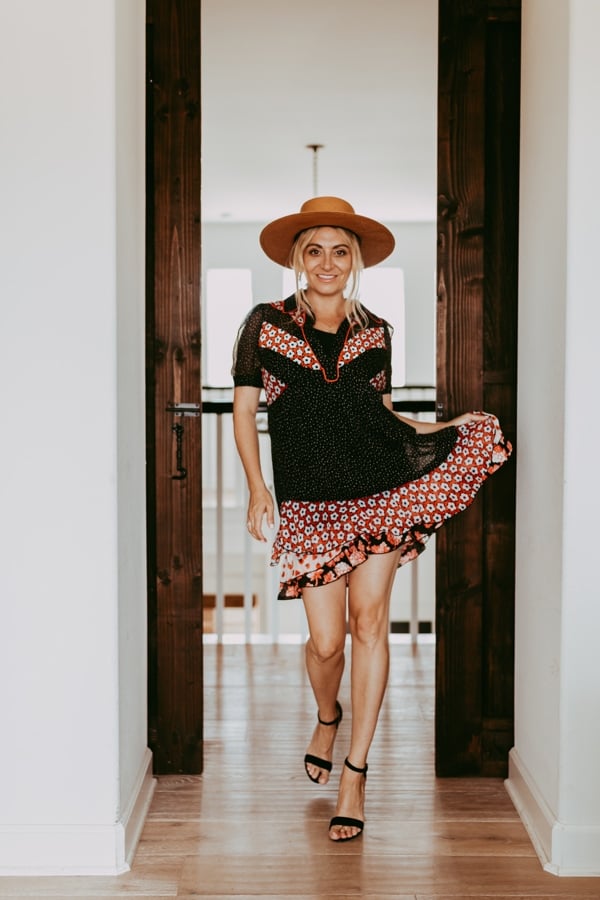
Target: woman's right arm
(260, 502)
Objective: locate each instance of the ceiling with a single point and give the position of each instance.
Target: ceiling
(358, 77)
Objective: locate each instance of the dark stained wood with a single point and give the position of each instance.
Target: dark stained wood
(173, 360)
(230, 601)
(500, 382)
(478, 143)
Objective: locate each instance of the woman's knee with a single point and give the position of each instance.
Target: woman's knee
(369, 625)
(325, 648)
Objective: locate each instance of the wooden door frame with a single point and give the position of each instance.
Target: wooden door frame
(174, 466)
(478, 188)
(471, 737)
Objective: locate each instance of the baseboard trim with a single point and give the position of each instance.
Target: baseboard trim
(79, 849)
(563, 850)
(533, 811)
(134, 817)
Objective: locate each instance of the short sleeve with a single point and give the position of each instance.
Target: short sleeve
(246, 369)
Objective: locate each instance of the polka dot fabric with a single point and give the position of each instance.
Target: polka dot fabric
(319, 542)
(351, 478)
(331, 436)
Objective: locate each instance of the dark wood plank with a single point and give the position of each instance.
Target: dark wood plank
(461, 136)
(175, 551)
(477, 310)
(503, 42)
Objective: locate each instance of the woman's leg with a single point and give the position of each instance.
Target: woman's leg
(326, 613)
(370, 586)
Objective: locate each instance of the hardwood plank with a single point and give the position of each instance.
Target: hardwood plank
(247, 896)
(452, 838)
(156, 878)
(236, 797)
(357, 871)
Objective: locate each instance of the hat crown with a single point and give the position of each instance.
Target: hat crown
(277, 238)
(327, 205)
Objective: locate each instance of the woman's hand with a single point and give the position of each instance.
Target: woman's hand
(465, 419)
(430, 427)
(260, 504)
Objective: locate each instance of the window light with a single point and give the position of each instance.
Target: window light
(228, 297)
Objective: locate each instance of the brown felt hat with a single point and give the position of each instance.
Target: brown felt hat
(376, 241)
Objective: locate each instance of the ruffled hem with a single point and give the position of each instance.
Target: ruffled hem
(323, 570)
(317, 543)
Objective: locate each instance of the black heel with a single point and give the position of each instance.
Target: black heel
(311, 760)
(345, 820)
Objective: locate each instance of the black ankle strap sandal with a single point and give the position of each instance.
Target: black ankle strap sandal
(346, 820)
(310, 760)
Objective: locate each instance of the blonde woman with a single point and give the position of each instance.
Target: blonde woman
(359, 488)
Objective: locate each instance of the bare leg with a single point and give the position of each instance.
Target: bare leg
(370, 586)
(326, 613)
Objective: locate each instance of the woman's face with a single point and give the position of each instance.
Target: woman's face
(327, 261)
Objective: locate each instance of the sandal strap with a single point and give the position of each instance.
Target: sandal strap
(355, 768)
(345, 820)
(311, 760)
(337, 719)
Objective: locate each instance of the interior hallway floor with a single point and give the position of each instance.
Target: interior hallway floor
(253, 825)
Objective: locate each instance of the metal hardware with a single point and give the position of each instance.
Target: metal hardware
(181, 471)
(184, 409)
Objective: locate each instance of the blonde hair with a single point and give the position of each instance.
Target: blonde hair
(355, 313)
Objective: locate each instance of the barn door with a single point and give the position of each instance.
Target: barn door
(478, 159)
(174, 385)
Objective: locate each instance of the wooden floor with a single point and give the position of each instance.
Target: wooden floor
(254, 826)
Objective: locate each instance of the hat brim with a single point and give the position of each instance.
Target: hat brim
(376, 241)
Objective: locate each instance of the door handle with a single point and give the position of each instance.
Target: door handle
(181, 470)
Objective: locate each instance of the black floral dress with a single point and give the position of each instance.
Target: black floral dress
(351, 479)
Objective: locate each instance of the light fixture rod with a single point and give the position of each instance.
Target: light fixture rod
(315, 165)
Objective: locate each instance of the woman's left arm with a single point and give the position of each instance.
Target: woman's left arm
(429, 427)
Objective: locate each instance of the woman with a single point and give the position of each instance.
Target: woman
(359, 488)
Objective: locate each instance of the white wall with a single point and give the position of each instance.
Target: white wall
(135, 786)
(236, 245)
(74, 767)
(554, 775)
